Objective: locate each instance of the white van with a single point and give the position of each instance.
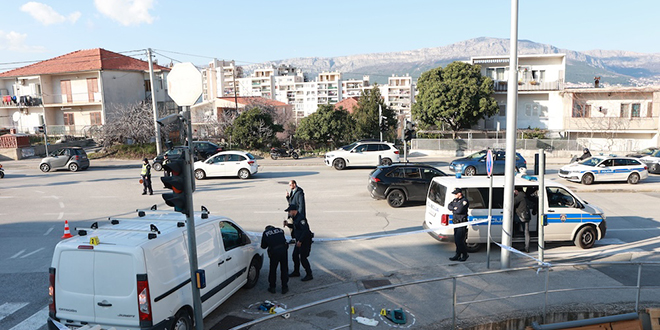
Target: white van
(568, 217)
(134, 274)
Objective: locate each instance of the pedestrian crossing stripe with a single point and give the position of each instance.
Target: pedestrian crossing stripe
(35, 321)
(7, 309)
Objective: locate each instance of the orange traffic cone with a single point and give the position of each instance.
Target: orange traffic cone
(67, 232)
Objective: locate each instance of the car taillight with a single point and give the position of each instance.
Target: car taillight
(444, 219)
(76, 157)
(51, 291)
(646, 167)
(252, 162)
(375, 179)
(144, 305)
(396, 152)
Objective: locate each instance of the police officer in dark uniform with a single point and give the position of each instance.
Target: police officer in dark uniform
(146, 177)
(459, 208)
(273, 239)
(303, 236)
(522, 215)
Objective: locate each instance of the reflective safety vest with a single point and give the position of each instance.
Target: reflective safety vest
(145, 169)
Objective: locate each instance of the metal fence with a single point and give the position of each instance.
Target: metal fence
(456, 299)
(480, 144)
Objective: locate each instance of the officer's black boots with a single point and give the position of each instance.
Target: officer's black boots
(463, 257)
(307, 277)
(271, 289)
(294, 274)
(285, 290)
(455, 257)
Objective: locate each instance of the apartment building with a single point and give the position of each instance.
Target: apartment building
(354, 87)
(399, 94)
(540, 83)
(219, 78)
(76, 91)
(328, 86)
(612, 118)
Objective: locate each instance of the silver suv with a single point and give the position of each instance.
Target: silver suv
(363, 153)
(72, 158)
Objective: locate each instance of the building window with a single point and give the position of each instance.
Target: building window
(625, 111)
(500, 73)
(92, 88)
(635, 110)
(649, 110)
(95, 118)
(502, 112)
(68, 119)
(581, 110)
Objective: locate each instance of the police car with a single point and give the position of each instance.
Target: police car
(605, 168)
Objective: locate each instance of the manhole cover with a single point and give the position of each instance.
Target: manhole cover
(370, 284)
(229, 322)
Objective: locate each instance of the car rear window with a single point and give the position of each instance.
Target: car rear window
(383, 147)
(250, 156)
(437, 193)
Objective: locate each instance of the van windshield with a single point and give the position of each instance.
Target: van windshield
(437, 193)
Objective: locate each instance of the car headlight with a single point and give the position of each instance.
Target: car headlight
(329, 156)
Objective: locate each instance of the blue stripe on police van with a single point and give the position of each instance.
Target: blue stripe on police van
(550, 218)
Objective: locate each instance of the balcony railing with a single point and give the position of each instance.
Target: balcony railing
(501, 86)
(20, 101)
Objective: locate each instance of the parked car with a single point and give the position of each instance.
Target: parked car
(72, 158)
(227, 163)
(475, 164)
(133, 272)
(605, 168)
(202, 151)
(652, 161)
(402, 182)
(643, 152)
(363, 153)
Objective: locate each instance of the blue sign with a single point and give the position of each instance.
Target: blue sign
(489, 162)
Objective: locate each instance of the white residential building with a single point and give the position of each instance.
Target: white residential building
(399, 94)
(328, 87)
(540, 83)
(354, 87)
(218, 79)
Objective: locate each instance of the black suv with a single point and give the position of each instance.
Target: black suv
(402, 182)
(202, 149)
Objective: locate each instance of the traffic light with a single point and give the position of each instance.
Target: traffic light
(177, 182)
(41, 129)
(383, 126)
(407, 134)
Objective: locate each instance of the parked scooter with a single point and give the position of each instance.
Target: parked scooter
(2, 172)
(286, 151)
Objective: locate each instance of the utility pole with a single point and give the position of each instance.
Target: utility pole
(511, 125)
(380, 121)
(159, 147)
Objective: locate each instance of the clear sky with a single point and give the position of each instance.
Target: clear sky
(260, 30)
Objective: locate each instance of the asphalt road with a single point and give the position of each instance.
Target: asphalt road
(34, 205)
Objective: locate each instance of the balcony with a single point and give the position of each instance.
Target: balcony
(20, 101)
(501, 86)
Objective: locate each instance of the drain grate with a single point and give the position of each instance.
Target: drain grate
(229, 322)
(370, 284)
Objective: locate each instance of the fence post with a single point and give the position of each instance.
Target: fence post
(350, 312)
(453, 305)
(639, 287)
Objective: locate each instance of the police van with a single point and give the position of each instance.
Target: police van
(134, 273)
(568, 217)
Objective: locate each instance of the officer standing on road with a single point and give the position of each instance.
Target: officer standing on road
(273, 239)
(303, 236)
(459, 208)
(146, 177)
(296, 197)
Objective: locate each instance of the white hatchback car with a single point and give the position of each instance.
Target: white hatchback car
(227, 163)
(363, 153)
(605, 168)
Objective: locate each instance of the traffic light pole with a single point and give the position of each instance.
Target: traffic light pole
(190, 220)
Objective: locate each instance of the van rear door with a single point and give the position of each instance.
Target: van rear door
(115, 289)
(74, 285)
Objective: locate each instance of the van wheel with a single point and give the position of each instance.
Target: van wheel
(182, 321)
(588, 179)
(633, 178)
(396, 198)
(473, 247)
(386, 162)
(73, 167)
(586, 237)
(252, 274)
(470, 171)
(158, 167)
(339, 164)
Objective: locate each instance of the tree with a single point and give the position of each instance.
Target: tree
(135, 122)
(457, 95)
(254, 128)
(366, 114)
(327, 124)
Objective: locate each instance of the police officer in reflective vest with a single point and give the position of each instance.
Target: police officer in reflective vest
(146, 177)
(273, 239)
(459, 208)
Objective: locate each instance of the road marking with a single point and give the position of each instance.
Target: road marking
(31, 253)
(55, 197)
(17, 254)
(7, 309)
(48, 231)
(6, 196)
(347, 211)
(61, 205)
(265, 212)
(60, 216)
(633, 229)
(36, 321)
(609, 241)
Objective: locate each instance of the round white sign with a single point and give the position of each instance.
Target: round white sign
(16, 116)
(184, 84)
